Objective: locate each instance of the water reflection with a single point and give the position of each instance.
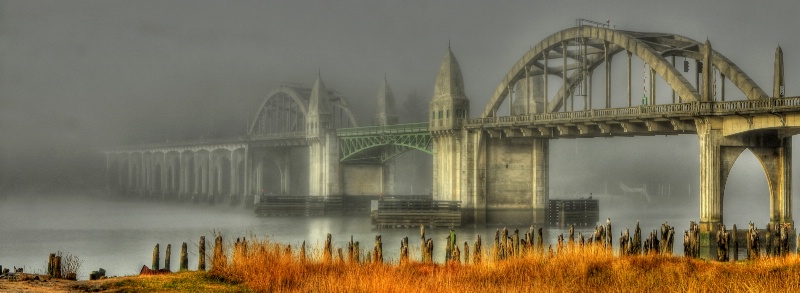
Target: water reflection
(119, 235)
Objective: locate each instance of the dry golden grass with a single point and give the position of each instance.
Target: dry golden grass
(271, 267)
(178, 282)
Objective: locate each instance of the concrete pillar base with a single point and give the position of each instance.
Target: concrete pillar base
(539, 218)
(473, 217)
(708, 245)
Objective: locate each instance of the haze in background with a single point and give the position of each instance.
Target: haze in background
(76, 76)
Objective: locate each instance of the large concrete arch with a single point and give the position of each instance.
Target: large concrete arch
(300, 96)
(340, 102)
(652, 48)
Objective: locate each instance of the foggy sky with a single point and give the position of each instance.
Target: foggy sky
(89, 74)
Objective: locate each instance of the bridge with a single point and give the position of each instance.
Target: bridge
(497, 164)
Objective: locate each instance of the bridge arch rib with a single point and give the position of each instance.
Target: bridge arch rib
(352, 150)
(288, 106)
(652, 48)
(276, 101)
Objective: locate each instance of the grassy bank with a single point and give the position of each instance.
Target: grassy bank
(178, 282)
(269, 267)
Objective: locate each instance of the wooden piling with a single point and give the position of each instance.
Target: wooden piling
(404, 250)
(156, 261)
(476, 259)
(50, 265)
(356, 253)
(539, 241)
(453, 244)
(377, 251)
(327, 253)
(753, 248)
(723, 238)
(466, 252)
(219, 253)
(57, 267)
(456, 257)
(201, 261)
(571, 242)
(350, 252)
(609, 235)
(784, 239)
(303, 252)
(422, 246)
(516, 242)
(448, 249)
(496, 249)
(167, 256)
(768, 240)
(637, 239)
(735, 240)
(623, 243)
(429, 250)
(504, 243)
(339, 255)
(184, 263)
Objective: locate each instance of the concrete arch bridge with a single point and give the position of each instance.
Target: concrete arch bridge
(498, 164)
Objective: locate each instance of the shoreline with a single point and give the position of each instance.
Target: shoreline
(191, 281)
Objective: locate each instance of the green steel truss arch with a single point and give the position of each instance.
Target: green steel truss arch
(383, 142)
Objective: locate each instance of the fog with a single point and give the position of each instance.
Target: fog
(79, 76)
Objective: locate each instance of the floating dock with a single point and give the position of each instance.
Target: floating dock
(392, 213)
(578, 212)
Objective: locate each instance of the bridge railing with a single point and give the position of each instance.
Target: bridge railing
(264, 136)
(178, 144)
(666, 110)
(388, 129)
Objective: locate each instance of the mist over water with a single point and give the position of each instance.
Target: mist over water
(119, 235)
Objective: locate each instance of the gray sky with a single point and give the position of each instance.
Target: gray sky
(79, 74)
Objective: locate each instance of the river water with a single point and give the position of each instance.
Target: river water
(119, 235)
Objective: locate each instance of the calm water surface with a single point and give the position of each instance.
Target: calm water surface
(119, 235)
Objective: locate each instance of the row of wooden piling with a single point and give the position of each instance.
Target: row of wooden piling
(507, 245)
(183, 264)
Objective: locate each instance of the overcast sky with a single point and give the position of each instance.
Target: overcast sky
(97, 73)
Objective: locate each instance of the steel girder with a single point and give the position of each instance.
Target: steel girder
(383, 142)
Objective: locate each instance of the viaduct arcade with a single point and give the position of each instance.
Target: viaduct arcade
(302, 141)
(497, 164)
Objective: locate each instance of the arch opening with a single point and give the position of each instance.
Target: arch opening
(746, 193)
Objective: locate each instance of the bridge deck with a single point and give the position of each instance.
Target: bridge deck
(641, 120)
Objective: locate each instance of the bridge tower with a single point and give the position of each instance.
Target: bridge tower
(323, 175)
(452, 150)
(385, 114)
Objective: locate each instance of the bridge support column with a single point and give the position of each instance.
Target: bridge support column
(716, 161)
(541, 180)
(387, 177)
(285, 168)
